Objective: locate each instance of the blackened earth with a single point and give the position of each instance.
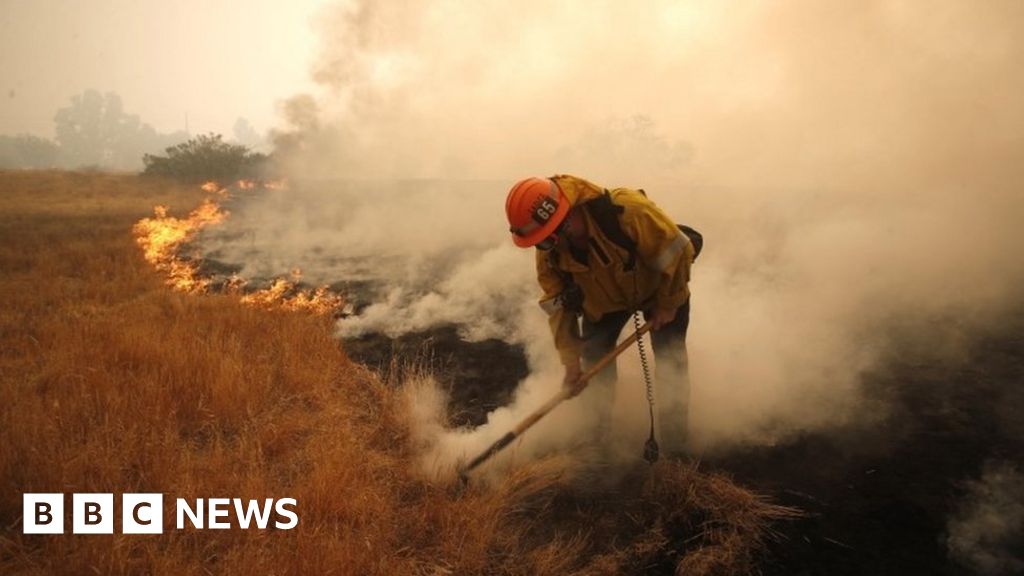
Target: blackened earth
(478, 376)
(877, 495)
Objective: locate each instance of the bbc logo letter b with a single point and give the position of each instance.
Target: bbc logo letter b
(92, 514)
(43, 513)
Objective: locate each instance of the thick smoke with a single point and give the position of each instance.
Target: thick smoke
(853, 166)
(413, 254)
(987, 532)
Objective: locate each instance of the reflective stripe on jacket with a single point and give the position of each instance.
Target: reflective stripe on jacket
(659, 278)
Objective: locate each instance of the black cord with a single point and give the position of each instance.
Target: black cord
(651, 446)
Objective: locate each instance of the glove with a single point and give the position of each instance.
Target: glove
(571, 382)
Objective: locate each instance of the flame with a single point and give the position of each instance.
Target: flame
(286, 294)
(162, 238)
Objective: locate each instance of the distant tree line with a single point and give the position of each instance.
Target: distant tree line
(94, 131)
(28, 151)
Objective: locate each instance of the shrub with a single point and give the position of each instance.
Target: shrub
(205, 157)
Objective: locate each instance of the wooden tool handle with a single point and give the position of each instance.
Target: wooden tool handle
(555, 400)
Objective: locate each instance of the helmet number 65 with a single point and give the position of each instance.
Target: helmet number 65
(545, 210)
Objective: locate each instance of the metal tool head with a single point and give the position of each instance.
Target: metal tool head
(651, 450)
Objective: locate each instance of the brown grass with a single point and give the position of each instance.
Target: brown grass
(111, 382)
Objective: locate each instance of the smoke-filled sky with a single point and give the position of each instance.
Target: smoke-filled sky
(214, 60)
(751, 93)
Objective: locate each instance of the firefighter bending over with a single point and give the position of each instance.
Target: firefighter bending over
(601, 255)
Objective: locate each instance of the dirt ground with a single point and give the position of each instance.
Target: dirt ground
(878, 496)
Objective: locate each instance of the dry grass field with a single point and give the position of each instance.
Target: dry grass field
(113, 383)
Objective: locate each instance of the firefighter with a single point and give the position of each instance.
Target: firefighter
(601, 255)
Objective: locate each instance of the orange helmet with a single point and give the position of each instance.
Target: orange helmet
(535, 207)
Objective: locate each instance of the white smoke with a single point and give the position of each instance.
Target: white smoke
(488, 296)
(986, 534)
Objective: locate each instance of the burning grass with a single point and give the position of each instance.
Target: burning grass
(113, 383)
(163, 239)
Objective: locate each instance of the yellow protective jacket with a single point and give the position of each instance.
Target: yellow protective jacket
(659, 278)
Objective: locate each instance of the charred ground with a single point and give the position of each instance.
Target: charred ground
(478, 376)
(878, 495)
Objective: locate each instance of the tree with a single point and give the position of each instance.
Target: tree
(246, 135)
(205, 157)
(95, 131)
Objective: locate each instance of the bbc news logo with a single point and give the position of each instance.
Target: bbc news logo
(144, 513)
